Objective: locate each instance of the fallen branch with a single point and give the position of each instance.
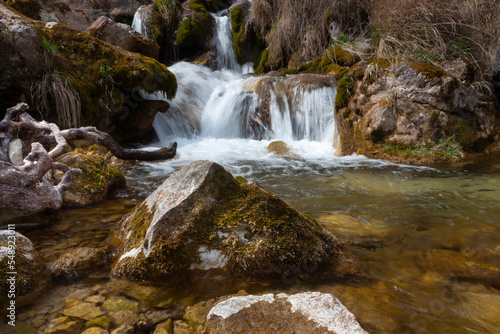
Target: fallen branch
(26, 188)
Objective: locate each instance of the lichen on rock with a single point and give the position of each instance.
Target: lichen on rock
(202, 220)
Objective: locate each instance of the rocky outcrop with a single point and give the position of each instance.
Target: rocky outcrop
(97, 178)
(385, 107)
(202, 221)
(195, 30)
(22, 271)
(77, 14)
(101, 83)
(309, 312)
(124, 36)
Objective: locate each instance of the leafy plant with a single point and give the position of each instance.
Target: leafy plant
(50, 47)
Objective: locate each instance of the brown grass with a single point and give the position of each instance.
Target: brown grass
(429, 31)
(55, 88)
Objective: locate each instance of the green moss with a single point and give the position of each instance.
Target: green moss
(429, 71)
(344, 92)
(190, 35)
(263, 63)
(103, 322)
(339, 56)
(241, 179)
(447, 148)
(198, 5)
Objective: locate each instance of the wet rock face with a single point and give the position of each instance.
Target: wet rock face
(202, 221)
(310, 312)
(124, 36)
(17, 254)
(411, 104)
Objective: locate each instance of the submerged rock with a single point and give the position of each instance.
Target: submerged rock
(78, 262)
(18, 255)
(309, 312)
(202, 221)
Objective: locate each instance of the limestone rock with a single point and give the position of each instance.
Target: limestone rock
(95, 330)
(83, 311)
(79, 261)
(410, 104)
(18, 255)
(202, 221)
(309, 312)
(124, 36)
(164, 327)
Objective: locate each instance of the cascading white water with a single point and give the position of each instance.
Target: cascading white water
(227, 116)
(223, 42)
(138, 23)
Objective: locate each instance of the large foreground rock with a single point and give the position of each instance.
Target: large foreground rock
(19, 260)
(201, 220)
(309, 312)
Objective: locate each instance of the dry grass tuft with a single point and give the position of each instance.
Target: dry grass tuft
(56, 88)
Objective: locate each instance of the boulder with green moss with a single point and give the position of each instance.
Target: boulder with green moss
(195, 30)
(203, 221)
(97, 178)
(414, 112)
(77, 74)
(22, 271)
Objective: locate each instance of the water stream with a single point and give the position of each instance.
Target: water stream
(423, 235)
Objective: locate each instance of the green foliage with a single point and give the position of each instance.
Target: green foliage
(448, 148)
(50, 47)
(340, 40)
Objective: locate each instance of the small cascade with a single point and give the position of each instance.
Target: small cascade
(141, 16)
(223, 43)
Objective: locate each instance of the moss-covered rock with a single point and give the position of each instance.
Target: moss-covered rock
(106, 80)
(203, 221)
(17, 255)
(195, 31)
(411, 112)
(97, 179)
(248, 43)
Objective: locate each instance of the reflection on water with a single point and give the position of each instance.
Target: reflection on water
(427, 238)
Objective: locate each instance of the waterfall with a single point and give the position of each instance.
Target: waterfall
(140, 17)
(223, 43)
(226, 104)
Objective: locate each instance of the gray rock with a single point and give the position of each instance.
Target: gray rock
(124, 36)
(309, 312)
(202, 221)
(18, 255)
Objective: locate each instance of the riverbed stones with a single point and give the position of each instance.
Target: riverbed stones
(203, 222)
(309, 312)
(18, 255)
(64, 325)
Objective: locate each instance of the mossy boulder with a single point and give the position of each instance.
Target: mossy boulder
(202, 221)
(17, 255)
(411, 112)
(248, 43)
(97, 179)
(195, 30)
(108, 81)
